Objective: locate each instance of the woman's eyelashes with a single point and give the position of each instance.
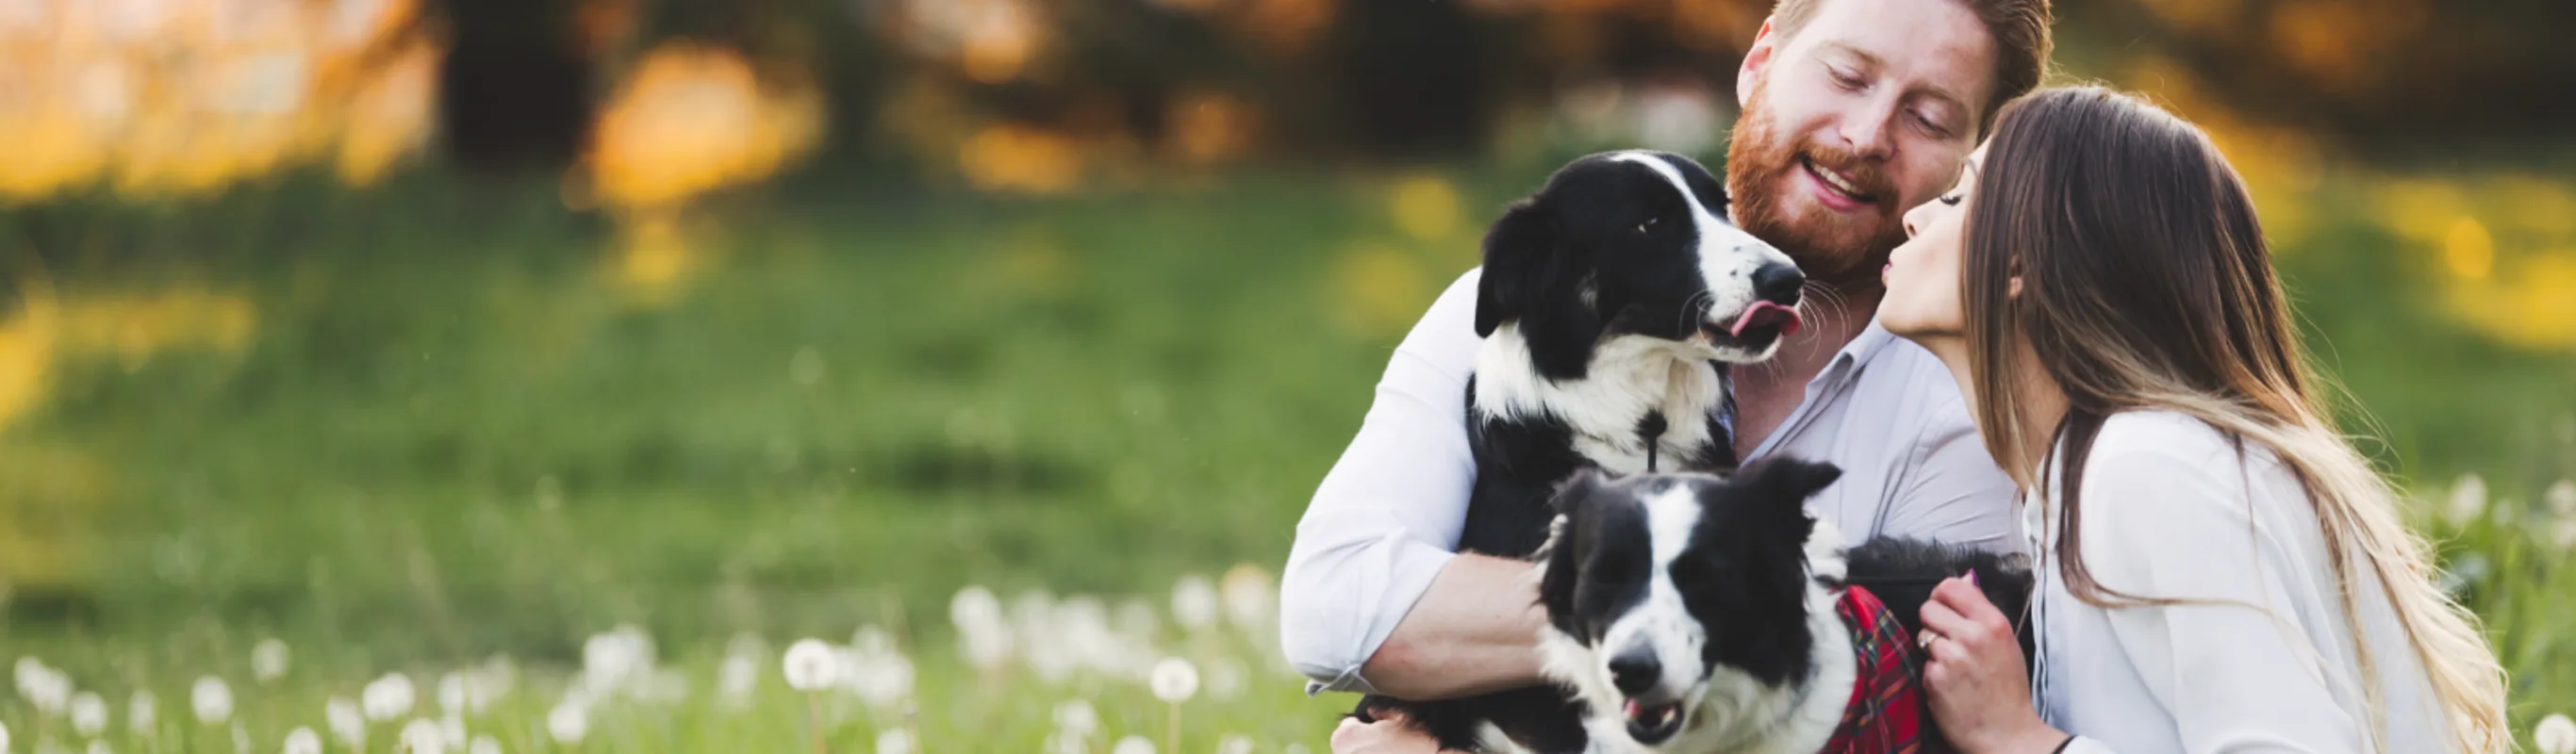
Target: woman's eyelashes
(1951, 199)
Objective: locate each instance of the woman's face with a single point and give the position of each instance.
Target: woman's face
(1922, 275)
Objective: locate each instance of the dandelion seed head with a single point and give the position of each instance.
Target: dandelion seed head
(1293, 748)
(4, 737)
(388, 697)
(883, 680)
(303, 741)
(423, 736)
(872, 640)
(568, 723)
(89, 713)
(1175, 680)
(212, 700)
(99, 747)
(736, 679)
(483, 744)
(1225, 678)
(2468, 500)
(1133, 745)
(45, 688)
(451, 692)
(269, 660)
(1194, 603)
(1077, 717)
(2554, 735)
(1234, 743)
(489, 682)
(974, 609)
(894, 741)
(1251, 599)
(346, 722)
(811, 666)
(141, 713)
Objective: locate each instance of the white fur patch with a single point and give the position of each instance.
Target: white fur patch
(1629, 375)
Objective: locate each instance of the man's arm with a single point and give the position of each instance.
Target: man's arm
(1373, 598)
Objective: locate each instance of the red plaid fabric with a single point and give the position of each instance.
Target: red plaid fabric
(1886, 713)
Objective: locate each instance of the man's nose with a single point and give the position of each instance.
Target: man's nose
(1865, 132)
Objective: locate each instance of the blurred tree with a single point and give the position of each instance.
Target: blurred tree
(516, 89)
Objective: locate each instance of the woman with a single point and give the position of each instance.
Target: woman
(2219, 570)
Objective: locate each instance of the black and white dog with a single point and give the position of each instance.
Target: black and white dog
(1610, 299)
(1697, 613)
(1610, 304)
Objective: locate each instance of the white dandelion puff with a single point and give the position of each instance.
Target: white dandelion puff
(46, 689)
(1293, 748)
(1251, 601)
(883, 680)
(568, 723)
(484, 744)
(1225, 678)
(1133, 745)
(451, 730)
(1194, 603)
(736, 679)
(212, 700)
(894, 741)
(388, 697)
(810, 666)
(423, 736)
(2468, 500)
(269, 660)
(346, 722)
(303, 741)
(89, 713)
(4, 737)
(1234, 743)
(99, 747)
(872, 640)
(141, 714)
(974, 608)
(451, 692)
(1175, 680)
(1077, 717)
(241, 738)
(2554, 735)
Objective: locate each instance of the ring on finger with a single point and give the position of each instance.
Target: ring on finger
(1926, 642)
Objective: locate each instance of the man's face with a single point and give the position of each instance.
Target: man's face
(1868, 110)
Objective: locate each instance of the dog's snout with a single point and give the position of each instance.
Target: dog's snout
(1634, 671)
(1778, 283)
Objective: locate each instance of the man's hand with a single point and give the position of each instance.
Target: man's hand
(1979, 691)
(1391, 734)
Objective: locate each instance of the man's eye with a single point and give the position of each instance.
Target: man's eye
(1931, 126)
(1847, 80)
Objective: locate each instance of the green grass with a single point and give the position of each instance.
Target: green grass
(450, 436)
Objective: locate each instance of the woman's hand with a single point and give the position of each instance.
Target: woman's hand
(1391, 734)
(1980, 692)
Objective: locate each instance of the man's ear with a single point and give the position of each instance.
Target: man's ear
(1515, 265)
(1756, 59)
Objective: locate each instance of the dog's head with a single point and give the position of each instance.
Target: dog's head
(1634, 243)
(1679, 596)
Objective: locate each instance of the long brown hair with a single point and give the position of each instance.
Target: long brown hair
(2156, 291)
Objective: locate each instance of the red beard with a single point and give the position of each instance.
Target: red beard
(1838, 249)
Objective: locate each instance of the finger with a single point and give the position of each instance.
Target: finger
(1951, 651)
(1942, 619)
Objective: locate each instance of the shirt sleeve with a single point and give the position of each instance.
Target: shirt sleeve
(1386, 519)
(2234, 667)
(1954, 493)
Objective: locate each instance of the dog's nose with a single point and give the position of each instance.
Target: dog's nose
(1778, 283)
(1634, 671)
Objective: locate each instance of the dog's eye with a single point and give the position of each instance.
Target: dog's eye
(1649, 223)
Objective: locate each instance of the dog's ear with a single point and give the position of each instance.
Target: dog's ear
(1577, 488)
(1516, 251)
(1778, 488)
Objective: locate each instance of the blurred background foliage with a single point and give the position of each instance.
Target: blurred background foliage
(441, 327)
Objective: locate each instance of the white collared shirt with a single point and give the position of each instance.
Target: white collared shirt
(1387, 517)
(2262, 659)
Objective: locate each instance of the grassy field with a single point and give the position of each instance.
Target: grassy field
(414, 429)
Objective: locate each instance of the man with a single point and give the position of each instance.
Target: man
(1853, 111)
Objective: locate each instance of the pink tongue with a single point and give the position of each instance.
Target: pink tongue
(1788, 328)
(1634, 709)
